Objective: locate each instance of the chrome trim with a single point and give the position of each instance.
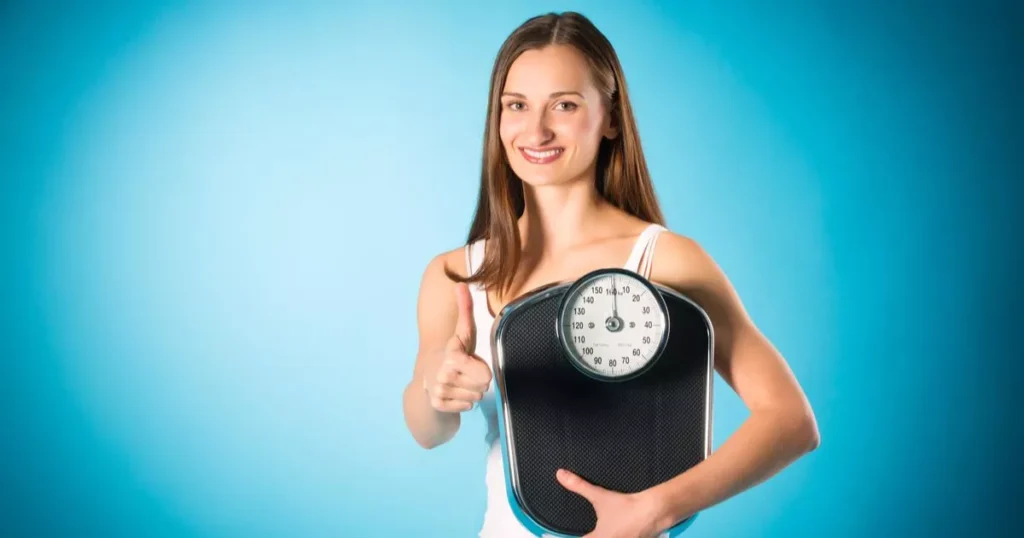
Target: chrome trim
(709, 389)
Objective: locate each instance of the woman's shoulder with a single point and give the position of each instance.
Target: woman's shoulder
(455, 260)
(681, 261)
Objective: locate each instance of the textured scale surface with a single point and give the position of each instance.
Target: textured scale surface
(625, 436)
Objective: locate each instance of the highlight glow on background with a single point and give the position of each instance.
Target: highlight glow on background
(215, 218)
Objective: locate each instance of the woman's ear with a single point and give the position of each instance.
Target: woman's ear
(611, 126)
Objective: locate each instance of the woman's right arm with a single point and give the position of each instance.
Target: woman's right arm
(444, 361)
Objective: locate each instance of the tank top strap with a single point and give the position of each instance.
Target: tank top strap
(643, 251)
(648, 258)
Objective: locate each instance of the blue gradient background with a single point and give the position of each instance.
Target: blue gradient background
(215, 218)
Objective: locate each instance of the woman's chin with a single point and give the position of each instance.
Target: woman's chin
(541, 178)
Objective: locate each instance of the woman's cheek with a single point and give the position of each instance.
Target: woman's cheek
(507, 130)
(575, 127)
(583, 133)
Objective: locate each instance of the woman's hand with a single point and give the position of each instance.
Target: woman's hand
(619, 515)
(462, 377)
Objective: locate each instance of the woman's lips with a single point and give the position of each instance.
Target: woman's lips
(544, 156)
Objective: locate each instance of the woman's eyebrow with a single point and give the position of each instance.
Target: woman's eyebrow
(552, 96)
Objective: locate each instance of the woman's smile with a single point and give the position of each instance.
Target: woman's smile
(545, 156)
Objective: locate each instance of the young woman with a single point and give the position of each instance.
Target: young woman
(565, 190)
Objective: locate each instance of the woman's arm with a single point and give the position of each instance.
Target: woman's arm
(781, 426)
(436, 313)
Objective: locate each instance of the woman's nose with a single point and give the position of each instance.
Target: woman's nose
(537, 131)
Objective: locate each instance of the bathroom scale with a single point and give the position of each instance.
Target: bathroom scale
(609, 376)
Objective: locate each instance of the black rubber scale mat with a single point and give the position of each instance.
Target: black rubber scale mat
(625, 436)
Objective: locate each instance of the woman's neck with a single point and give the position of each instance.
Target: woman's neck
(556, 217)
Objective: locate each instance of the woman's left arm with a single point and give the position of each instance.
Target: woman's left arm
(781, 426)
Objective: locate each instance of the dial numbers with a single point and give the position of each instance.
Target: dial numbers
(613, 324)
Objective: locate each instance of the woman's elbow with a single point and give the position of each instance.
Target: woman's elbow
(807, 432)
(427, 444)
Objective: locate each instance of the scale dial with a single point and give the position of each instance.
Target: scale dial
(613, 324)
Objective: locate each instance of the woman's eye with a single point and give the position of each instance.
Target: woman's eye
(514, 105)
(567, 105)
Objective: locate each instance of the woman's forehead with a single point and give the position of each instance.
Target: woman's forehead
(540, 72)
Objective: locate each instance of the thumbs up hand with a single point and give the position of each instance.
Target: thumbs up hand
(462, 377)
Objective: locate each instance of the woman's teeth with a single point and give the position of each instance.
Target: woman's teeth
(541, 157)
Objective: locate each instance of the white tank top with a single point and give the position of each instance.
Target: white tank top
(499, 520)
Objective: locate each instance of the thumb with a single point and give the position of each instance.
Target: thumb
(465, 326)
(575, 484)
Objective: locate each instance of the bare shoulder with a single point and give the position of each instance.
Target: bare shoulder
(682, 263)
(454, 260)
(436, 288)
(744, 357)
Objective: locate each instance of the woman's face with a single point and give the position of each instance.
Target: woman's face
(552, 116)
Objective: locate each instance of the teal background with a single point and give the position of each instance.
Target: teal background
(215, 216)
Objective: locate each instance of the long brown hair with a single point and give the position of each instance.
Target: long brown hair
(622, 176)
